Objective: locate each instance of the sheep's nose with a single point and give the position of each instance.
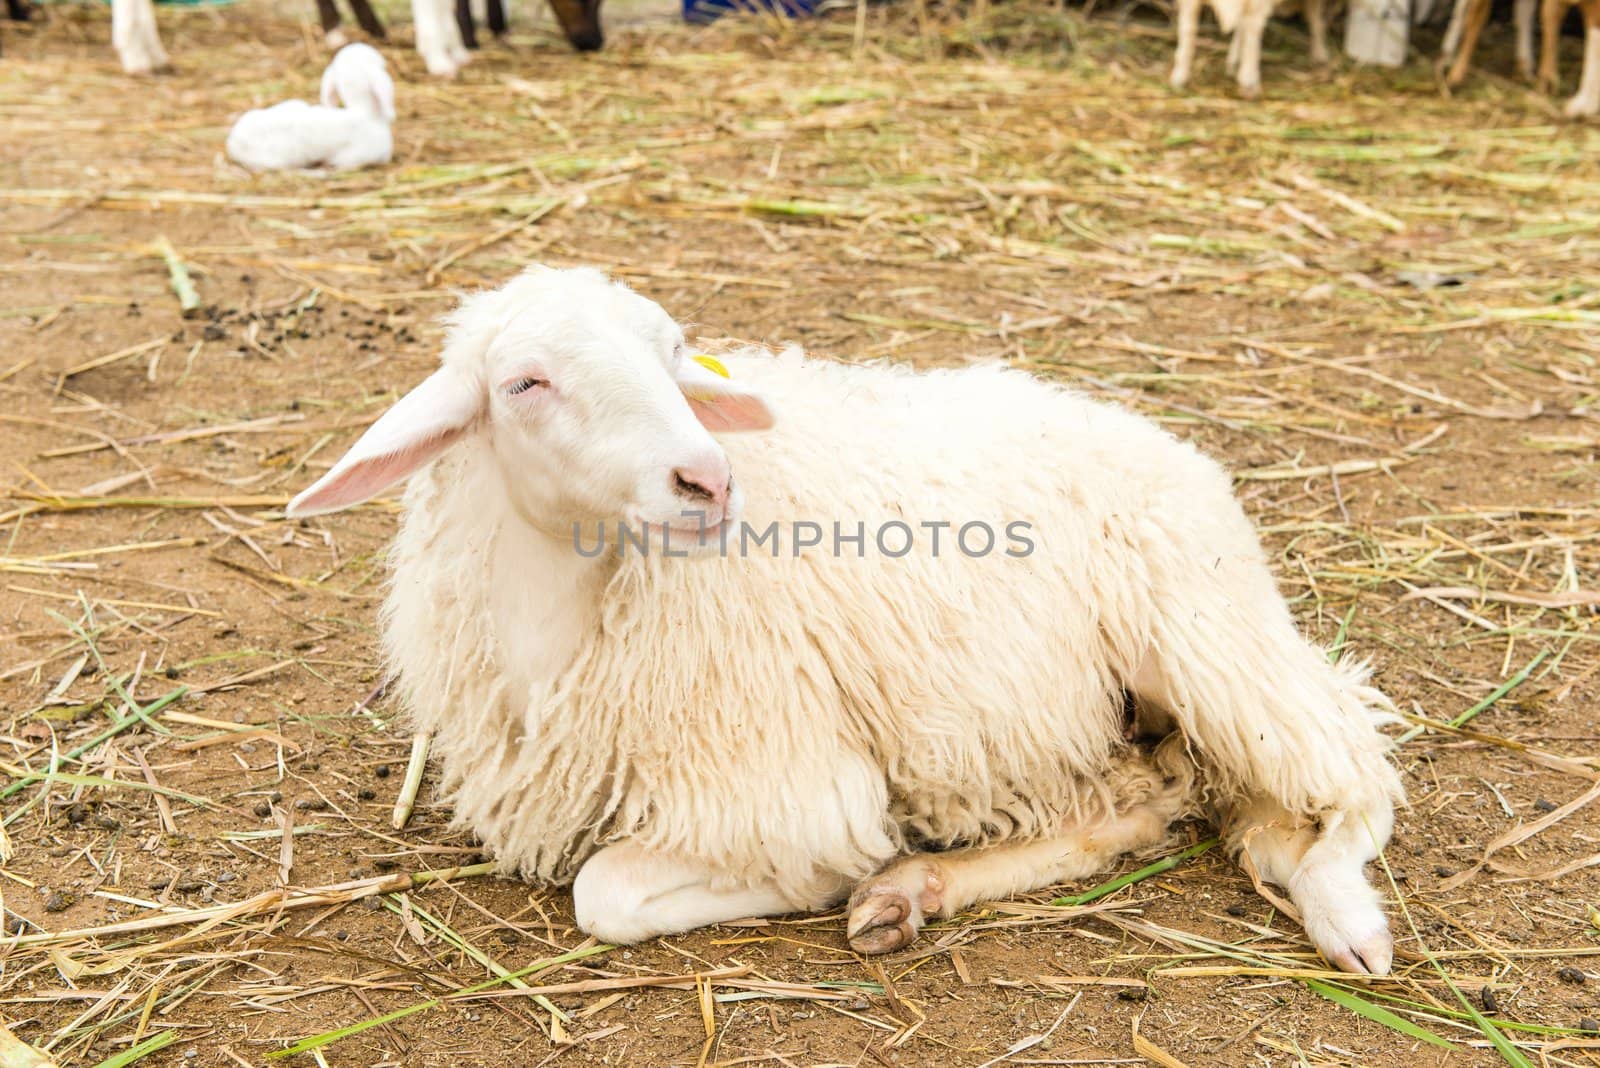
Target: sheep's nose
(706, 482)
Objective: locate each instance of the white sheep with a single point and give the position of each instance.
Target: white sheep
(295, 135)
(697, 739)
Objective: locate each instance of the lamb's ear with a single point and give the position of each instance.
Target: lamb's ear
(721, 403)
(420, 426)
(330, 92)
(383, 94)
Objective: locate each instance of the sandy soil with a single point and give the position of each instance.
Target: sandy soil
(1017, 184)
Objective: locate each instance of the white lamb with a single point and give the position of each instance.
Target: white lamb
(694, 740)
(295, 135)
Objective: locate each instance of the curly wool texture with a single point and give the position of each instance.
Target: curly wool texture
(803, 719)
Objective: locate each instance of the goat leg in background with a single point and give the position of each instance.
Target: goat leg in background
(19, 10)
(1316, 12)
(580, 21)
(1188, 16)
(134, 35)
(328, 16)
(495, 13)
(1477, 15)
(439, 37)
(1245, 52)
(1451, 43)
(1586, 101)
(1551, 15)
(1523, 15)
(367, 19)
(464, 22)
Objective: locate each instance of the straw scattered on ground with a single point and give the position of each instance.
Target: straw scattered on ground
(1379, 305)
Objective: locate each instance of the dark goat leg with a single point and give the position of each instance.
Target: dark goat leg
(367, 19)
(469, 31)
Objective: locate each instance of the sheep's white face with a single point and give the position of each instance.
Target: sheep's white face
(589, 401)
(592, 413)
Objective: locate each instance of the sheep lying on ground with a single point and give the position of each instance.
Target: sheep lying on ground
(847, 700)
(295, 135)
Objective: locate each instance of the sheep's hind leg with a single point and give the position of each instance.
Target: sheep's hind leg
(1271, 719)
(1324, 875)
(626, 893)
(888, 909)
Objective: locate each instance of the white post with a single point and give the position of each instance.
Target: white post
(1377, 31)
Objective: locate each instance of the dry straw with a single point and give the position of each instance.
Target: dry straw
(1377, 304)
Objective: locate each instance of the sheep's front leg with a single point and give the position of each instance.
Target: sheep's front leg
(625, 894)
(887, 910)
(134, 35)
(1324, 875)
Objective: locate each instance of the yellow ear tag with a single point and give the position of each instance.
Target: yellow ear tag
(711, 363)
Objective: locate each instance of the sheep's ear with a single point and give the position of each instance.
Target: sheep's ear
(420, 426)
(721, 403)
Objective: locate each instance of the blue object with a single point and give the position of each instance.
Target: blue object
(704, 11)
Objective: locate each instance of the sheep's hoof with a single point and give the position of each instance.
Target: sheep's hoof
(881, 920)
(888, 910)
(1355, 940)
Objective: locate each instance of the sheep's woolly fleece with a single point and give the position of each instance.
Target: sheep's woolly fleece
(804, 719)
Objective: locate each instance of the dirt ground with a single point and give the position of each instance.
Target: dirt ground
(1379, 306)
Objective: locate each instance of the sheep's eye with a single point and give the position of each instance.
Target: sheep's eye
(522, 385)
